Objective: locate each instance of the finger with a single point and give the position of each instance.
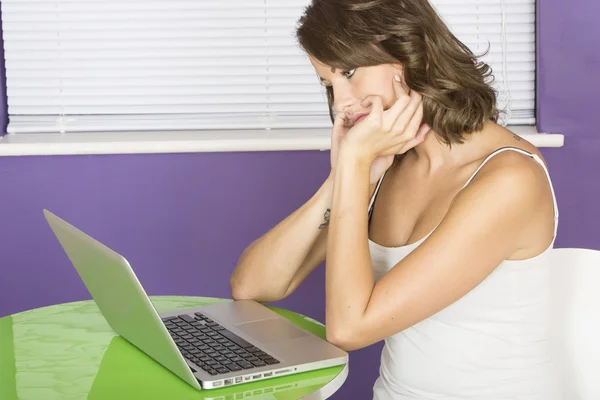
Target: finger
(410, 131)
(413, 108)
(339, 121)
(423, 129)
(414, 142)
(376, 103)
(409, 135)
(418, 139)
(399, 89)
(403, 98)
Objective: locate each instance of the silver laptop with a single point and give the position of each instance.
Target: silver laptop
(228, 343)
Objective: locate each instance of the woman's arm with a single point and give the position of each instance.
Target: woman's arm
(273, 266)
(481, 229)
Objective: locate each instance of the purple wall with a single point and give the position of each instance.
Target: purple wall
(568, 64)
(183, 219)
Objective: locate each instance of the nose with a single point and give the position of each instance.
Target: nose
(343, 98)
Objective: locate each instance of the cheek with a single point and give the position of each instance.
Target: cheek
(381, 87)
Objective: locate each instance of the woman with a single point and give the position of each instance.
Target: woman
(436, 221)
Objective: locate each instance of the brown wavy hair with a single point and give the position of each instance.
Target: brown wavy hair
(456, 88)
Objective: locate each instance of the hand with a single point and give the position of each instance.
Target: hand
(339, 131)
(383, 134)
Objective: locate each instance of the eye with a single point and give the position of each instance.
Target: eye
(348, 74)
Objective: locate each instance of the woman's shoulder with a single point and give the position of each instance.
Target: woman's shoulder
(507, 152)
(516, 185)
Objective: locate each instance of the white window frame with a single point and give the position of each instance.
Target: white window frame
(198, 141)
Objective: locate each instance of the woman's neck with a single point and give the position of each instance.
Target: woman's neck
(433, 155)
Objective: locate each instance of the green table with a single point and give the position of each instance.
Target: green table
(68, 351)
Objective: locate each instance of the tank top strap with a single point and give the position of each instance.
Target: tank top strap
(372, 201)
(490, 156)
(538, 160)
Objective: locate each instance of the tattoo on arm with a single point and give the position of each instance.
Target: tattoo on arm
(517, 137)
(324, 224)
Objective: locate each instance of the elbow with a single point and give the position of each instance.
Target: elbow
(240, 290)
(342, 338)
(247, 290)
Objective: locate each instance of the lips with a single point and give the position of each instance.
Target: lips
(358, 118)
(356, 121)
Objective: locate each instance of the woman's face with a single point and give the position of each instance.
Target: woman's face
(351, 87)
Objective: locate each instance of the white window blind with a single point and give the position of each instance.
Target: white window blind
(130, 65)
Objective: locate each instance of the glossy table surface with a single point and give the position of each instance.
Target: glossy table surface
(68, 351)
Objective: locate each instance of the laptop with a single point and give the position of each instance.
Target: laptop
(209, 347)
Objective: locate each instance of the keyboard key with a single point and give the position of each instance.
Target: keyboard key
(234, 367)
(211, 371)
(236, 339)
(170, 318)
(254, 350)
(245, 364)
(222, 370)
(271, 361)
(187, 318)
(259, 363)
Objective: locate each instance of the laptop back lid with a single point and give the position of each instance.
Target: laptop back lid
(120, 297)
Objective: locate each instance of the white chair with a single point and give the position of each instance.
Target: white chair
(576, 318)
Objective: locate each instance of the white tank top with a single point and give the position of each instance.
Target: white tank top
(491, 344)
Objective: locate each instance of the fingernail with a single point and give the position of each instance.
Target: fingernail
(397, 78)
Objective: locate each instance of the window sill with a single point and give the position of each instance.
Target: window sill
(197, 141)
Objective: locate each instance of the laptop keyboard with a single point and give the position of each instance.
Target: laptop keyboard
(212, 347)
